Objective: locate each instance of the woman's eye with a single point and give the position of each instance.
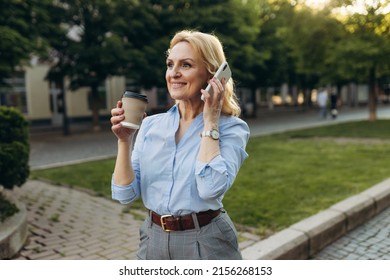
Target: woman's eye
(186, 65)
(169, 65)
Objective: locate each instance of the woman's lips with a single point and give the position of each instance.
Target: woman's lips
(177, 85)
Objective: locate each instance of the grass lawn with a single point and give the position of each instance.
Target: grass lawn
(287, 177)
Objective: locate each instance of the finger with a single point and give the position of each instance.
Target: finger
(206, 95)
(220, 84)
(117, 119)
(217, 88)
(116, 129)
(223, 82)
(117, 111)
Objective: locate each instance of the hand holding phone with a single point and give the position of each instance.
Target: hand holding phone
(222, 72)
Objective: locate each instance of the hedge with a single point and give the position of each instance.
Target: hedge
(14, 148)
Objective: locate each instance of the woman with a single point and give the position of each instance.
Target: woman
(180, 166)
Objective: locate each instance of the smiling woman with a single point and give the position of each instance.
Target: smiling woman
(186, 73)
(186, 159)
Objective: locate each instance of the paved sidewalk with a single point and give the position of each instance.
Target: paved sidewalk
(370, 241)
(67, 223)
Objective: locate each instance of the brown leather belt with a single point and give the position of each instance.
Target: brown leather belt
(179, 223)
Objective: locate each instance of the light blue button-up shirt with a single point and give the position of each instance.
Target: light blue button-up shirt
(168, 176)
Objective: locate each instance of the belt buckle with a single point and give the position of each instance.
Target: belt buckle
(164, 223)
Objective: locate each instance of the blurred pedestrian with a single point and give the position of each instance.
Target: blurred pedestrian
(333, 104)
(322, 101)
(185, 160)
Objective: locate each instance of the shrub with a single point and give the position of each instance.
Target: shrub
(14, 148)
(7, 209)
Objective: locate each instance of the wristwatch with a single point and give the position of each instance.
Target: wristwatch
(214, 134)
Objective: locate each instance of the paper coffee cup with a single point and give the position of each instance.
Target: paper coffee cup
(134, 105)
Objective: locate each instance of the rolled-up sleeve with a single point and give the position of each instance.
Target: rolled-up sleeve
(128, 193)
(124, 194)
(217, 176)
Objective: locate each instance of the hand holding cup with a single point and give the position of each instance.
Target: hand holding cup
(134, 105)
(128, 114)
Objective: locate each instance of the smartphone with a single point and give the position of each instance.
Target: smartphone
(222, 72)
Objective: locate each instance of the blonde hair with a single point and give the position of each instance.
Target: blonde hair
(210, 49)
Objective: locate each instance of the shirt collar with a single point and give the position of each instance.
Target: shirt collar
(173, 108)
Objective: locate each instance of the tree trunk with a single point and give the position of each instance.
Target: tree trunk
(65, 123)
(95, 106)
(254, 103)
(372, 96)
(308, 102)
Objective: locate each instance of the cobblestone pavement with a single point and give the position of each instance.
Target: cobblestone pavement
(66, 223)
(370, 241)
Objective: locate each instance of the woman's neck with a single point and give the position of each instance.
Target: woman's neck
(189, 111)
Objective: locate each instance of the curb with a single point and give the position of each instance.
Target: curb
(13, 233)
(304, 239)
(72, 162)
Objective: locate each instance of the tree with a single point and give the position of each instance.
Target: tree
(14, 148)
(20, 22)
(155, 22)
(276, 66)
(87, 49)
(58, 53)
(364, 54)
(309, 36)
(142, 26)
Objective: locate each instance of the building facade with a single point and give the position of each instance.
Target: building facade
(42, 102)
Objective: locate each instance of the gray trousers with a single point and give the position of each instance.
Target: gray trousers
(215, 241)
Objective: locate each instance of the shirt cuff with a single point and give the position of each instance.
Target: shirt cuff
(216, 163)
(124, 194)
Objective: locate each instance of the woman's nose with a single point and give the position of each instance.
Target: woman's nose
(175, 72)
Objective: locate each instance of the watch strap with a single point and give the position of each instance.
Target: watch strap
(209, 133)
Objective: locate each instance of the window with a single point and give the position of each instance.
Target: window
(13, 92)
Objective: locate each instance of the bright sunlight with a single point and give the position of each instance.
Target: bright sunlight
(316, 3)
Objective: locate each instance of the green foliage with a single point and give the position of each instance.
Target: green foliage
(275, 66)
(21, 24)
(7, 209)
(14, 148)
(364, 47)
(13, 126)
(267, 42)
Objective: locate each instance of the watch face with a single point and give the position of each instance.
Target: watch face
(214, 134)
